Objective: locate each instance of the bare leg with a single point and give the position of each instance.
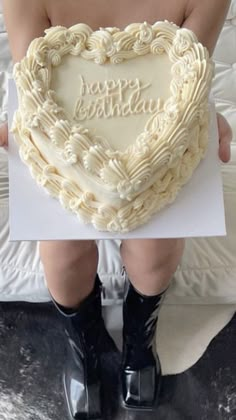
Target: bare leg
(151, 263)
(70, 268)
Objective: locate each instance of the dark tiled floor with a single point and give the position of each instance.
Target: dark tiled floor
(32, 351)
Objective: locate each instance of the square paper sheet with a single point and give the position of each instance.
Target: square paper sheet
(197, 211)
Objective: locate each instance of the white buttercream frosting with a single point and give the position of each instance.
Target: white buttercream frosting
(113, 123)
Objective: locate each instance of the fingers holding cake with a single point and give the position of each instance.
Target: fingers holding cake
(4, 134)
(225, 138)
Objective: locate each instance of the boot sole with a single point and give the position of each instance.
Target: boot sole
(139, 408)
(68, 404)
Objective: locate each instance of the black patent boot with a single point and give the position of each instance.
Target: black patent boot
(88, 339)
(141, 369)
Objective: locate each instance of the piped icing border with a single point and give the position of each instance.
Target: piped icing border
(148, 175)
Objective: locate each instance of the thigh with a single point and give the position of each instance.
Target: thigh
(61, 250)
(148, 248)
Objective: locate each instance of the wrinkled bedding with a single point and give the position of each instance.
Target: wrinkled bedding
(208, 270)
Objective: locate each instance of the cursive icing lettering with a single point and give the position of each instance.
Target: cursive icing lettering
(113, 98)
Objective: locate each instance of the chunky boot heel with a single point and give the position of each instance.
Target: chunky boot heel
(87, 340)
(141, 368)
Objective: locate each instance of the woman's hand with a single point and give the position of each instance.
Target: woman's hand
(225, 138)
(4, 134)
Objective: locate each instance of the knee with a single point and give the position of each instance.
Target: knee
(65, 255)
(170, 249)
(153, 255)
(170, 255)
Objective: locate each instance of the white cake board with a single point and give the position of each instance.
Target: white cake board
(197, 211)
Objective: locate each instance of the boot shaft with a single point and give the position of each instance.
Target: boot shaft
(87, 339)
(141, 368)
(140, 315)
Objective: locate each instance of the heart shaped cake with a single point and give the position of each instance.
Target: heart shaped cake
(113, 122)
